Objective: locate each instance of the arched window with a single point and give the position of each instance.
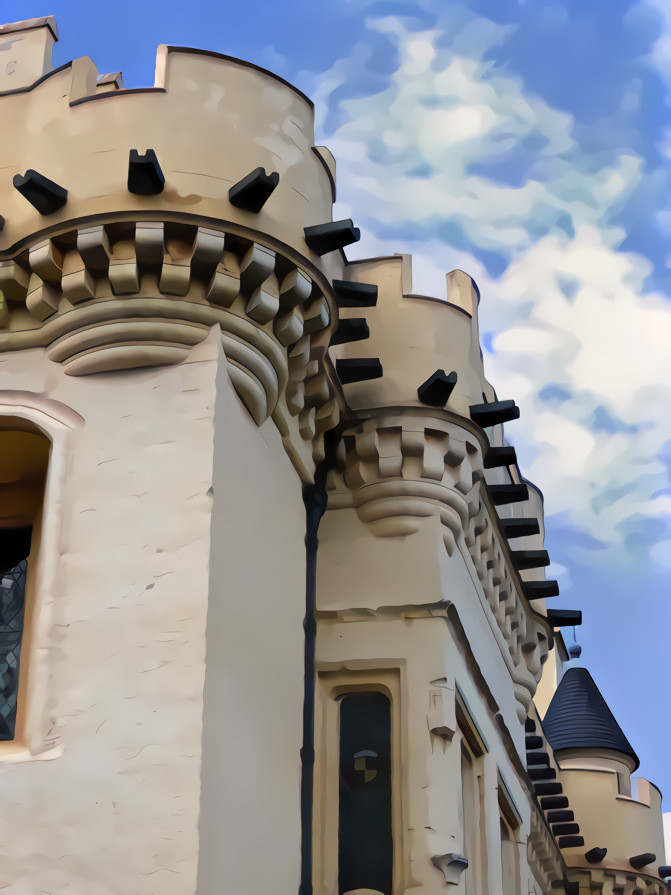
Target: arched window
(24, 457)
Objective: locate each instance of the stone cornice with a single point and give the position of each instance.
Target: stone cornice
(398, 468)
(128, 294)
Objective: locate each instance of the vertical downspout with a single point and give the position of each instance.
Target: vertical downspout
(314, 498)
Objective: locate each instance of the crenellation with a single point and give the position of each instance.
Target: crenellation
(26, 52)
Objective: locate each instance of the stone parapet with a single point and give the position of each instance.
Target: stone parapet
(414, 335)
(210, 120)
(625, 826)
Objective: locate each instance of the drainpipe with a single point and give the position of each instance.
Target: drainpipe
(314, 498)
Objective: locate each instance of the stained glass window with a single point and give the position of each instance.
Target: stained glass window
(12, 602)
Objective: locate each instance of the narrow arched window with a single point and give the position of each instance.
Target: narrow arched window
(365, 855)
(24, 458)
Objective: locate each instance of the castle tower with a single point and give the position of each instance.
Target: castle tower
(273, 599)
(622, 832)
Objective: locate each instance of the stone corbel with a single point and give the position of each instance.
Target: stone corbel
(451, 866)
(442, 718)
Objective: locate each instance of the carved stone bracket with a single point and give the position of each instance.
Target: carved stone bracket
(544, 857)
(133, 294)
(451, 866)
(607, 880)
(442, 717)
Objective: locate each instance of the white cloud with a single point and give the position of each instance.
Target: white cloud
(569, 308)
(660, 55)
(606, 347)
(437, 119)
(661, 554)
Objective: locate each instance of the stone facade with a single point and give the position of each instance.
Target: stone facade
(268, 500)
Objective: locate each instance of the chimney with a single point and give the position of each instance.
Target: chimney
(25, 52)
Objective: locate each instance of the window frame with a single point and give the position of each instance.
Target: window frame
(473, 747)
(510, 816)
(332, 684)
(34, 737)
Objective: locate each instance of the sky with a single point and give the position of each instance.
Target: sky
(529, 144)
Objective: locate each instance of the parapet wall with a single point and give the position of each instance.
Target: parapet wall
(210, 120)
(414, 335)
(625, 826)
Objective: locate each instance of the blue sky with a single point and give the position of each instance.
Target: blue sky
(529, 144)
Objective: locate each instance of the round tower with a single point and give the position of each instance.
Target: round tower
(621, 825)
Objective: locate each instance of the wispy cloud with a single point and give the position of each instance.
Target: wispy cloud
(657, 12)
(449, 155)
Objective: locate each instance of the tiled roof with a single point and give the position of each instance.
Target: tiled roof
(578, 717)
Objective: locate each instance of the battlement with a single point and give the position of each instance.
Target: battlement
(26, 52)
(78, 132)
(415, 335)
(625, 826)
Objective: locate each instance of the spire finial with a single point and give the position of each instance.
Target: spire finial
(575, 650)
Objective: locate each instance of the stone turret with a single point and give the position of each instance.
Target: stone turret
(621, 825)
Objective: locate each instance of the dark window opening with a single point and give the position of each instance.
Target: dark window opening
(365, 855)
(24, 458)
(14, 549)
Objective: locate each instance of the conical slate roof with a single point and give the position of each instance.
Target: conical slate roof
(578, 717)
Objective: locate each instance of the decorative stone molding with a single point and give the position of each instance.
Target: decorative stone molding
(524, 635)
(134, 294)
(544, 857)
(400, 468)
(609, 882)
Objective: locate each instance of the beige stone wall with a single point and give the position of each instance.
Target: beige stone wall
(548, 683)
(161, 489)
(252, 725)
(414, 335)
(104, 794)
(402, 615)
(625, 826)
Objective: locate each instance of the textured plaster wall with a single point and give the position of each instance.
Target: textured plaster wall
(252, 727)
(112, 806)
